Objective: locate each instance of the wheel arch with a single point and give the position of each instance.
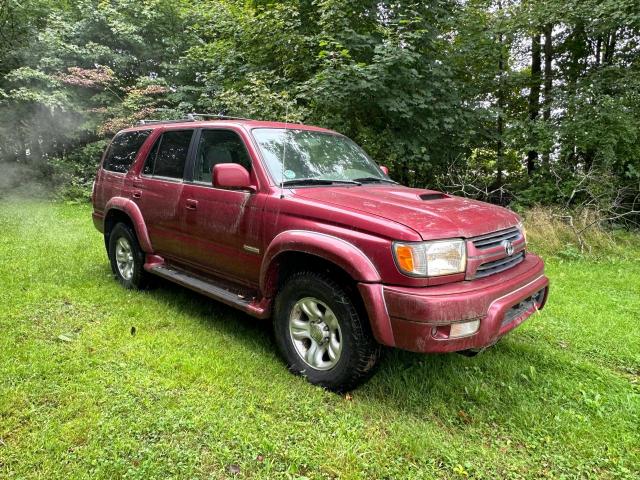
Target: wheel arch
(296, 250)
(126, 211)
(293, 251)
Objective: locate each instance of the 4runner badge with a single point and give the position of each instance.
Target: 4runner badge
(508, 247)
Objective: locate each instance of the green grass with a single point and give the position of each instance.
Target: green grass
(199, 391)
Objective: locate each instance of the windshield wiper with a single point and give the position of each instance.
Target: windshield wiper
(374, 180)
(317, 181)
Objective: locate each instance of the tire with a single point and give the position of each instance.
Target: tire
(127, 258)
(333, 346)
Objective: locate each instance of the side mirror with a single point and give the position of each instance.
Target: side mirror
(232, 176)
(384, 169)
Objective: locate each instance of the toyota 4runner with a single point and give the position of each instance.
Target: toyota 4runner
(296, 223)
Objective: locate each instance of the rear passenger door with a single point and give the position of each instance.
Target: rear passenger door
(158, 189)
(225, 225)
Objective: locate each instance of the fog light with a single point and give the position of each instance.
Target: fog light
(464, 329)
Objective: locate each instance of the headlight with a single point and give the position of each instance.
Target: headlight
(430, 259)
(523, 230)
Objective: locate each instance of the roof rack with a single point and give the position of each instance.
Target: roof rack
(192, 117)
(155, 122)
(216, 115)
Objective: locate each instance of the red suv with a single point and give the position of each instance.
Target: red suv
(298, 224)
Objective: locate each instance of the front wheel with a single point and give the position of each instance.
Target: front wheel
(321, 333)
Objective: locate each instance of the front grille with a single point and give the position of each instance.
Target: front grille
(496, 238)
(500, 265)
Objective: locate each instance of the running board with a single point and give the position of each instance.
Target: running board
(246, 303)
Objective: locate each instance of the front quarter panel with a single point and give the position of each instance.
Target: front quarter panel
(369, 234)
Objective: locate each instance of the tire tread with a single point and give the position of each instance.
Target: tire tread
(367, 351)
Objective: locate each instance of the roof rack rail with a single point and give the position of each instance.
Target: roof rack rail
(220, 116)
(155, 122)
(192, 117)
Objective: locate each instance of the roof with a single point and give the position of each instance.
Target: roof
(246, 123)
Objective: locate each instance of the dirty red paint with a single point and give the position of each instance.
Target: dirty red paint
(242, 237)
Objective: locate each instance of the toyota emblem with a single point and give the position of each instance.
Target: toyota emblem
(508, 247)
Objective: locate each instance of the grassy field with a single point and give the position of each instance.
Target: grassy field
(198, 391)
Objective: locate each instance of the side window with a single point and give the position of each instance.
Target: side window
(123, 149)
(150, 162)
(169, 155)
(219, 146)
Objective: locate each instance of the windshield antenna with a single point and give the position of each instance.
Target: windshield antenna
(284, 149)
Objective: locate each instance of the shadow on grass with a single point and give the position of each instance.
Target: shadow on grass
(211, 312)
(517, 375)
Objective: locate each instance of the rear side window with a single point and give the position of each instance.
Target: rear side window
(123, 149)
(169, 154)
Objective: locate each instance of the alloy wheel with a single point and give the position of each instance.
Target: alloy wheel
(315, 333)
(124, 258)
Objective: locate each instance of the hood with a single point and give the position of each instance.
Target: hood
(432, 214)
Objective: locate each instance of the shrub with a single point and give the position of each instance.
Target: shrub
(74, 173)
(573, 234)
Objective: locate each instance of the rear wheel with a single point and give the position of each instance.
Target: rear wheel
(127, 258)
(322, 334)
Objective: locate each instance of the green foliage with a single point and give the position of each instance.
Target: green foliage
(438, 90)
(74, 173)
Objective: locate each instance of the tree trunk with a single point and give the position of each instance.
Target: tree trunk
(580, 51)
(500, 97)
(534, 96)
(610, 47)
(548, 79)
(500, 121)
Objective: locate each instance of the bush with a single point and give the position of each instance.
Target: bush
(74, 174)
(573, 234)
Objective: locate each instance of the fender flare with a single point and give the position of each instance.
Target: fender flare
(328, 247)
(342, 254)
(132, 210)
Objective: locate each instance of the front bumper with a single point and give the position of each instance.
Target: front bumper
(420, 319)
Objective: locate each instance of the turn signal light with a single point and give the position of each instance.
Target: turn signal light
(404, 255)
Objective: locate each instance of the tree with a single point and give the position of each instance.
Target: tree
(534, 94)
(505, 95)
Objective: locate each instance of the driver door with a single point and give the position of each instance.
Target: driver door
(224, 226)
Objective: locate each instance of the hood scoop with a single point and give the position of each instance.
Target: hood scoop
(425, 197)
(433, 196)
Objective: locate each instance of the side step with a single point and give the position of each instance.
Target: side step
(229, 295)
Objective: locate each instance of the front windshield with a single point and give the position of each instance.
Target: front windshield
(313, 155)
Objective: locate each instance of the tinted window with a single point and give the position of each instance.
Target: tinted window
(123, 149)
(150, 162)
(219, 146)
(169, 154)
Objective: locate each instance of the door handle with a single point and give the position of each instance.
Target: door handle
(136, 194)
(192, 204)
